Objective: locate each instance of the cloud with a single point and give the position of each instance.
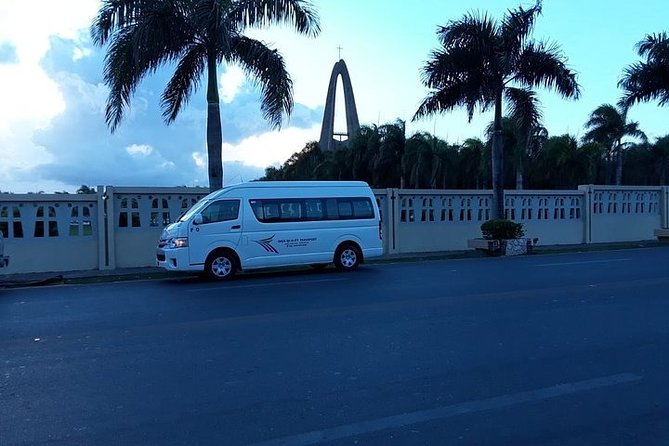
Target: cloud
(74, 146)
(231, 83)
(270, 148)
(139, 150)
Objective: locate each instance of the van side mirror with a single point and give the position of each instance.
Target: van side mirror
(197, 220)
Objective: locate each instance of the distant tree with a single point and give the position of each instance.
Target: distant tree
(608, 126)
(478, 59)
(560, 163)
(474, 164)
(389, 164)
(418, 161)
(648, 80)
(660, 155)
(196, 36)
(86, 190)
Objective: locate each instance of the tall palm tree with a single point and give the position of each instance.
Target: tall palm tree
(511, 146)
(648, 80)
(478, 59)
(608, 126)
(197, 36)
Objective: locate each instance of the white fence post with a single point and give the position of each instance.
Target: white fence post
(587, 212)
(665, 207)
(102, 229)
(111, 228)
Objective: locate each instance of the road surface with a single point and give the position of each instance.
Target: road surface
(568, 349)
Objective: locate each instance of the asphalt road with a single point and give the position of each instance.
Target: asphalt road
(543, 350)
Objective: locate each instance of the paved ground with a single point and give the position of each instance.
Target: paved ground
(568, 349)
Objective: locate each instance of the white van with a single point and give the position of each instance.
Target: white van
(268, 224)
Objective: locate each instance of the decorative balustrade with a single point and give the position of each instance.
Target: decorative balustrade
(120, 226)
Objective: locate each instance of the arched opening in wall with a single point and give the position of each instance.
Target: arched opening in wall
(340, 129)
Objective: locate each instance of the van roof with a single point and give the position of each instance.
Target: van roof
(286, 185)
(277, 184)
(299, 184)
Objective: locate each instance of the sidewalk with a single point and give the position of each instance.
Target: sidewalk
(149, 273)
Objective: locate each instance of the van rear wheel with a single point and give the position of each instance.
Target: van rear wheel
(347, 257)
(220, 265)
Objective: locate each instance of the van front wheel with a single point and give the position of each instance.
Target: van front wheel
(347, 257)
(220, 265)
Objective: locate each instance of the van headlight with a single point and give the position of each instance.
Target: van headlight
(180, 242)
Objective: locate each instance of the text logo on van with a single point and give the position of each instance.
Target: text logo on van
(266, 243)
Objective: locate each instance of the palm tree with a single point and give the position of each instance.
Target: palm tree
(479, 58)
(388, 168)
(660, 153)
(197, 36)
(511, 146)
(608, 126)
(474, 164)
(560, 162)
(648, 80)
(526, 113)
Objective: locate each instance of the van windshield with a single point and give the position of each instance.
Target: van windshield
(197, 207)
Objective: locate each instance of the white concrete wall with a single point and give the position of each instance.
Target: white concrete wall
(120, 227)
(51, 232)
(139, 215)
(625, 213)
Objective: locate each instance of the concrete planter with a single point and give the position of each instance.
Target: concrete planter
(516, 247)
(509, 247)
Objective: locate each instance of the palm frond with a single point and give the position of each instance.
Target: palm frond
(457, 94)
(185, 80)
(654, 47)
(516, 27)
(122, 76)
(524, 107)
(112, 16)
(644, 82)
(543, 64)
(478, 32)
(268, 69)
(298, 14)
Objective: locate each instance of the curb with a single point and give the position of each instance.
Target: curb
(154, 273)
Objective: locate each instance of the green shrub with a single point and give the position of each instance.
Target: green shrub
(501, 229)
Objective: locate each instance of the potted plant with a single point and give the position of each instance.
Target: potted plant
(509, 235)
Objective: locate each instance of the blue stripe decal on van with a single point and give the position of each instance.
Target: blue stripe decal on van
(266, 243)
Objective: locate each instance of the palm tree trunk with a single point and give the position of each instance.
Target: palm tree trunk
(619, 164)
(519, 174)
(214, 131)
(497, 210)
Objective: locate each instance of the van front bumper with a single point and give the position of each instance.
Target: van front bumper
(175, 260)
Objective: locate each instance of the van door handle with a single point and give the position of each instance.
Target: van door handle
(236, 227)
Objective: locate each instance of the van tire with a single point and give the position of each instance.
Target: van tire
(221, 265)
(347, 257)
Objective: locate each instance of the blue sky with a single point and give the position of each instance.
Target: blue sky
(52, 131)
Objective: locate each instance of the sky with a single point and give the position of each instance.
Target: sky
(52, 97)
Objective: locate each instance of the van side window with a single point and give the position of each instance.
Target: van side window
(224, 210)
(345, 208)
(290, 210)
(362, 208)
(312, 209)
